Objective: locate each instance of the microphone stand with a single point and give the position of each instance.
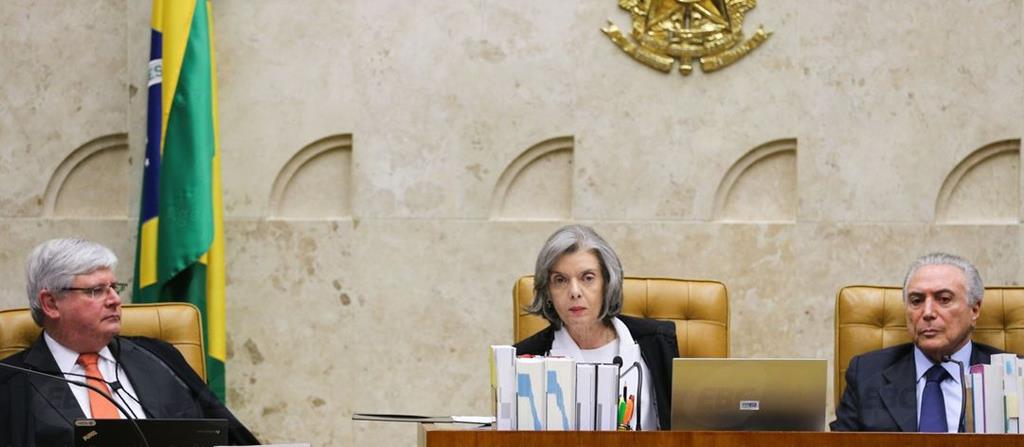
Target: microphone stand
(639, 386)
(123, 411)
(963, 391)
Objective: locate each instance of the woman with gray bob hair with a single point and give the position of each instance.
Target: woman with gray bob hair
(578, 289)
(54, 264)
(571, 239)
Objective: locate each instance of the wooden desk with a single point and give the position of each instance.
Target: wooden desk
(431, 435)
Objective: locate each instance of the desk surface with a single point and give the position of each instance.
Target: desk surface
(438, 436)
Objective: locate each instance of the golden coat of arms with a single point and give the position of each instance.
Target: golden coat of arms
(710, 31)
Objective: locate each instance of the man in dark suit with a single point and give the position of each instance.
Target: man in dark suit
(916, 386)
(73, 295)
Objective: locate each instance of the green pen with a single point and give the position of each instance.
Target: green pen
(622, 406)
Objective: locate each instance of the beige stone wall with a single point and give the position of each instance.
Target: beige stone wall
(391, 167)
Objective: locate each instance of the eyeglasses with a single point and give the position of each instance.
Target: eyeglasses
(99, 291)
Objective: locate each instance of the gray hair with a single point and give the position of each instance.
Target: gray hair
(54, 264)
(975, 290)
(571, 239)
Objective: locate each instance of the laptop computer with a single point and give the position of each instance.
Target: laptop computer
(159, 432)
(749, 394)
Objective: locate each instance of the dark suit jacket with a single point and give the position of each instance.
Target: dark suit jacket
(881, 390)
(37, 411)
(658, 346)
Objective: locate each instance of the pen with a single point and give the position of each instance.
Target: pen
(622, 406)
(630, 407)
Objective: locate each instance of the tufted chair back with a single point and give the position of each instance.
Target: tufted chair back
(869, 318)
(699, 309)
(178, 324)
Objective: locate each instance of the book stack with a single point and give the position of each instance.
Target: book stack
(552, 393)
(994, 403)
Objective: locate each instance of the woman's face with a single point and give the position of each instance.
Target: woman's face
(576, 286)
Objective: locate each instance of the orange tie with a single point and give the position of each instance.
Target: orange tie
(101, 408)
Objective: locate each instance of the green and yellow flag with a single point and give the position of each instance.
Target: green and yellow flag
(180, 252)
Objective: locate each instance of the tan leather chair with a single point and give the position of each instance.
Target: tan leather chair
(176, 323)
(873, 317)
(699, 309)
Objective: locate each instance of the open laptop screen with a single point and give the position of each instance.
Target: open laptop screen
(749, 394)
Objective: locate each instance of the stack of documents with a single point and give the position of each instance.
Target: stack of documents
(995, 395)
(552, 393)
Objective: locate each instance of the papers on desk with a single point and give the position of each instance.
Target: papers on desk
(273, 445)
(479, 420)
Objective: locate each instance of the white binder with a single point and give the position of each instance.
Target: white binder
(530, 392)
(503, 386)
(560, 393)
(607, 397)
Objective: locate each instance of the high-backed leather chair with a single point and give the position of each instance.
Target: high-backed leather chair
(178, 324)
(873, 317)
(699, 309)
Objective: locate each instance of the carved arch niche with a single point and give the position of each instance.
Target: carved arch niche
(984, 188)
(316, 183)
(90, 182)
(761, 186)
(537, 185)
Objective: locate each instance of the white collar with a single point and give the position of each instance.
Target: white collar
(564, 346)
(923, 363)
(65, 357)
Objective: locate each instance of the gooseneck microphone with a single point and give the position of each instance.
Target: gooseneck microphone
(963, 391)
(117, 380)
(116, 387)
(639, 387)
(123, 410)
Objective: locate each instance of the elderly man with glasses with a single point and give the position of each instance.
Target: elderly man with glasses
(75, 297)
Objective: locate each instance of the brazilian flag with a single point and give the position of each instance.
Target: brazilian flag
(180, 252)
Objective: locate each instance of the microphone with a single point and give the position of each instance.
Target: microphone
(117, 381)
(963, 391)
(636, 365)
(115, 387)
(124, 411)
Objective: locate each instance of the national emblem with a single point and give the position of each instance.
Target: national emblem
(666, 30)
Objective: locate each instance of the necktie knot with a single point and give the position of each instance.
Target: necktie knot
(936, 374)
(88, 359)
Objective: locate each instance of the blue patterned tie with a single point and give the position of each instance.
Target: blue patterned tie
(933, 406)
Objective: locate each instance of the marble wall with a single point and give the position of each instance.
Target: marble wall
(391, 167)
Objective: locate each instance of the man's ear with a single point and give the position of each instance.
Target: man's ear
(975, 312)
(48, 302)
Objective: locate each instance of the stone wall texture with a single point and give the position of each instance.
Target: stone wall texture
(391, 167)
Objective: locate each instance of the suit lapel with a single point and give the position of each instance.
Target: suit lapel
(58, 394)
(978, 356)
(899, 394)
(129, 358)
(152, 381)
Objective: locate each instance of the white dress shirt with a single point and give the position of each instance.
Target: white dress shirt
(67, 361)
(951, 391)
